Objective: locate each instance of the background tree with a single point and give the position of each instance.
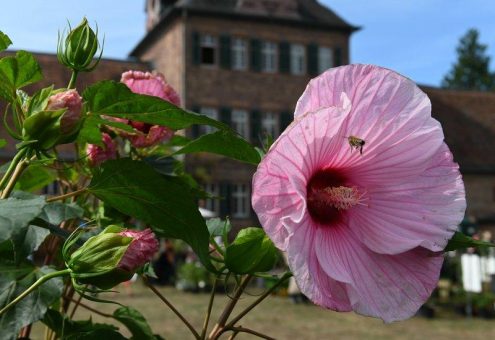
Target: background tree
(471, 71)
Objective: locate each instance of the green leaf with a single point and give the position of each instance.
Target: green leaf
(16, 72)
(224, 143)
(15, 214)
(55, 213)
(252, 251)
(135, 322)
(4, 41)
(22, 243)
(3, 142)
(35, 177)
(462, 241)
(66, 328)
(15, 280)
(218, 227)
(115, 99)
(135, 189)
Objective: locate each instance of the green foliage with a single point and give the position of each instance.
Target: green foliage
(471, 71)
(223, 143)
(136, 323)
(115, 99)
(134, 188)
(14, 280)
(16, 72)
(461, 241)
(68, 329)
(35, 177)
(218, 227)
(16, 214)
(22, 243)
(3, 142)
(4, 41)
(252, 251)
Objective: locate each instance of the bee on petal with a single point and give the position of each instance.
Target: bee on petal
(356, 143)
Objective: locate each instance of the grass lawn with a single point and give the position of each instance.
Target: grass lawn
(281, 319)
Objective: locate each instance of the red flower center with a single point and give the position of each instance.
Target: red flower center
(141, 127)
(329, 195)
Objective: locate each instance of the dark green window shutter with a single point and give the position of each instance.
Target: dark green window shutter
(256, 136)
(226, 198)
(285, 120)
(312, 59)
(226, 116)
(195, 127)
(196, 49)
(284, 57)
(337, 56)
(255, 55)
(225, 52)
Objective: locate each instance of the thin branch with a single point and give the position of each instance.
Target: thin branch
(68, 195)
(169, 305)
(210, 306)
(90, 308)
(240, 329)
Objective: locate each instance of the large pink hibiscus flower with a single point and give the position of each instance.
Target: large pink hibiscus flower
(363, 232)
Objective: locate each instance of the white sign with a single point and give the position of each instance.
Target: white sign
(471, 273)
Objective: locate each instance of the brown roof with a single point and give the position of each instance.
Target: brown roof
(55, 73)
(468, 120)
(306, 13)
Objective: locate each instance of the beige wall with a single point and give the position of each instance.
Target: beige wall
(480, 194)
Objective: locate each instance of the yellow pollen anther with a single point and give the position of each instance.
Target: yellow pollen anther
(338, 197)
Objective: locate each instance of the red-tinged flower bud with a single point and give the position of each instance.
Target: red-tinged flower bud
(111, 257)
(99, 154)
(72, 101)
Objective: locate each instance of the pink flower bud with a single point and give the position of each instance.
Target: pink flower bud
(141, 250)
(151, 84)
(97, 154)
(70, 100)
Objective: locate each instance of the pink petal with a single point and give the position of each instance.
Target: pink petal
(152, 84)
(391, 287)
(141, 250)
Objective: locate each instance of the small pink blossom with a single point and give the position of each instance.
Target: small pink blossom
(97, 154)
(152, 84)
(141, 250)
(362, 232)
(70, 100)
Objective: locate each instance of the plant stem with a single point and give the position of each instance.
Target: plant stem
(210, 306)
(35, 285)
(72, 82)
(13, 164)
(65, 196)
(77, 304)
(219, 327)
(90, 308)
(169, 305)
(258, 300)
(240, 329)
(23, 164)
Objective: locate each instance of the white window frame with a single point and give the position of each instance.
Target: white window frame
(270, 124)
(240, 200)
(297, 59)
(240, 122)
(269, 57)
(211, 113)
(209, 41)
(212, 204)
(239, 54)
(325, 58)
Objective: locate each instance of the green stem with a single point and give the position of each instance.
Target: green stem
(240, 329)
(35, 285)
(21, 165)
(169, 305)
(73, 78)
(217, 246)
(231, 324)
(210, 306)
(68, 195)
(17, 158)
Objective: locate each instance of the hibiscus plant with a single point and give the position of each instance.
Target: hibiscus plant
(362, 230)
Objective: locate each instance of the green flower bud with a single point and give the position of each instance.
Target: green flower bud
(111, 257)
(79, 47)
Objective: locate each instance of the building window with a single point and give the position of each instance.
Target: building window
(212, 204)
(239, 54)
(208, 49)
(211, 113)
(298, 59)
(268, 57)
(240, 197)
(325, 59)
(240, 122)
(269, 124)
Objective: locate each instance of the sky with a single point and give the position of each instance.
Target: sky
(414, 37)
